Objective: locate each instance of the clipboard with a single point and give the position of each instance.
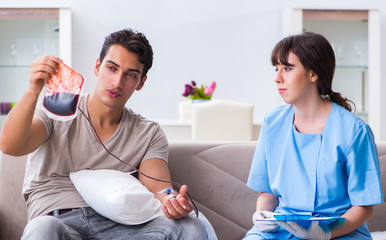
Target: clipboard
(299, 218)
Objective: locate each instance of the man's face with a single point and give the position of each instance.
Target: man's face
(119, 75)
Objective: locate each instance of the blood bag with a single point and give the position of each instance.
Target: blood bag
(62, 92)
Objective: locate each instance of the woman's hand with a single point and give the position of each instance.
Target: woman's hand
(313, 232)
(264, 226)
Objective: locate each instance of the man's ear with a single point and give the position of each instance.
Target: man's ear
(313, 76)
(140, 85)
(96, 67)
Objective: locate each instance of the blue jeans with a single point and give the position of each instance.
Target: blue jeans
(85, 223)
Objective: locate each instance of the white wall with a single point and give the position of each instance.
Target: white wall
(226, 41)
(229, 43)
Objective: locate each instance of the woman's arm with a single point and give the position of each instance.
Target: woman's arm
(354, 218)
(267, 202)
(265, 205)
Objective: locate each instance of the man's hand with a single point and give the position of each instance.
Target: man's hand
(41, 70)
(178, 207)
(264, 226)
(313, 232)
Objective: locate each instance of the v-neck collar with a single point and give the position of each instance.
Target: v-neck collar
(90, 128)
(333, 106)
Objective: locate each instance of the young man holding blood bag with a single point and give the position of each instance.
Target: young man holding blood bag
(56, 148)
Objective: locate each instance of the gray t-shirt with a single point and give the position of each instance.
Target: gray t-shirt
(71, 146)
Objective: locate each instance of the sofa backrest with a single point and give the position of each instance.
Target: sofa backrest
(216, 175)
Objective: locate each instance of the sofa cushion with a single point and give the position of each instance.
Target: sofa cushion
(378, 221)
(216, 175)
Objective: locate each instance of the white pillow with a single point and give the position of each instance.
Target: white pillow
(117, 195)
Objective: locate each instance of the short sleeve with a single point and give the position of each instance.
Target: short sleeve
(40, 114)
(158, 146)
(364, 185)
(258, 175)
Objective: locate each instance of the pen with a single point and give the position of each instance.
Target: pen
(262, 214)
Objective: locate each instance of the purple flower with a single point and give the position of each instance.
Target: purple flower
(185, 94)
(188, 90)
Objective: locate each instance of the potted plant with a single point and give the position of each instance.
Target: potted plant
(194, 92)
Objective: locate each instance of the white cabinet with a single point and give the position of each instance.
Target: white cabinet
(28, 33)
(356, 39)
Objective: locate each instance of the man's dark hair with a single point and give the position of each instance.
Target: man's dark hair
(132, 41)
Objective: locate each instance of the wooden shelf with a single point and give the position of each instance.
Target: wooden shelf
(29, 13)
(320, 14)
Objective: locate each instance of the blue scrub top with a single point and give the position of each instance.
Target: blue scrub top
(323, 174)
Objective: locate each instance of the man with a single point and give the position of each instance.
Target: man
(56, 148)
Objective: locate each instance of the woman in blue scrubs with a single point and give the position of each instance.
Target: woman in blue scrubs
(313, 157)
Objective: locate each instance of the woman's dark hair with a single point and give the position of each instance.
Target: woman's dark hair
(132, 41)
(316, 54)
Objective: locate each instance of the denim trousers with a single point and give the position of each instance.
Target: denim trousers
(84, 223)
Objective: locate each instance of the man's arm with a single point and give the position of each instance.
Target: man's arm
(173, 208)
(22, 134)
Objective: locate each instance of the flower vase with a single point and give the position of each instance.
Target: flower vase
(200, 100)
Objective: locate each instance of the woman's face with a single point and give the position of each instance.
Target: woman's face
(295, 84)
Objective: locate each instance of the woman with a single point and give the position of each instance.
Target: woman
(313, 155)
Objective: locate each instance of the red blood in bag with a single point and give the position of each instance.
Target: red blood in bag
(62, 104)
(62, 91)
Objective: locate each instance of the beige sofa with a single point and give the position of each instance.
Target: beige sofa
(216, 174)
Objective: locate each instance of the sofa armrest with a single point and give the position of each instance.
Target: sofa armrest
(13, 211)
(378, 220)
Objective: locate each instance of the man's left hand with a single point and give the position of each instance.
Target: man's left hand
(178, 207)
